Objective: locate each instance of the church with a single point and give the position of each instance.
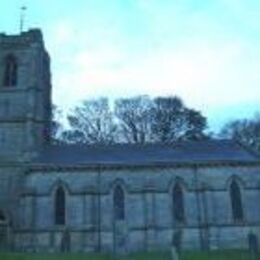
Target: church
(120, 197)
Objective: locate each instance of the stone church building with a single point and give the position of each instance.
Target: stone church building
(117, 197)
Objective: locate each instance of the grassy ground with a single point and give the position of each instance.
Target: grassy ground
(23, 256)
(219, 255)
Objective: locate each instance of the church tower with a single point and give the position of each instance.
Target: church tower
(25, 94)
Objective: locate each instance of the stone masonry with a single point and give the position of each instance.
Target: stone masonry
(32, 170)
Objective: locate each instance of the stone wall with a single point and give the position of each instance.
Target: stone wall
(25, 108)
(149, 222)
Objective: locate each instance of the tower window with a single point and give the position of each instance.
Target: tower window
(119, 203)
(236, 202)
(10, 71)
(60, 206)
(178, 204)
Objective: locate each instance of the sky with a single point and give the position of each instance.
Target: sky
(205, 51)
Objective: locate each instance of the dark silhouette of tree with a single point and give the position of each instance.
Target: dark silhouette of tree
(246, 131)
(72, 136)
(172, 121)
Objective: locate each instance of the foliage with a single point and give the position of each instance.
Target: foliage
(172, 121)
(134, 120)
(246, 131)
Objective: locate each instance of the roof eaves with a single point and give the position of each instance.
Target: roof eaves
(112, 165)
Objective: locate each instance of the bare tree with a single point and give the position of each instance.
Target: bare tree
(134, 116)
(134, 120)
(92, 122)
(163, 119)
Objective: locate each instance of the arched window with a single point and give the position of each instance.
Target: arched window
(178, 203)
(119, 203)
(3, 230)
(10, 71)
(60, 206)
(2, 216)
(236, 202)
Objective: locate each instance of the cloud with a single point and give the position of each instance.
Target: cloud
(203, 53)
(197, 73)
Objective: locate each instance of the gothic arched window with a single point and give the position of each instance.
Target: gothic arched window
(10, 71)
(60, 206)
(119, 203)
(236, 202)
(2, 216)
(178, 203)
(3, 230)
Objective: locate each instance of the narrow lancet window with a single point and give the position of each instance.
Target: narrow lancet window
(236, 202)
(10, 71)
(60, 206)
(3, 230)
(178, 204)
(119, 203)
(2, 216)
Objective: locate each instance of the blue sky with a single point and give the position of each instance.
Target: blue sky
(205, 51)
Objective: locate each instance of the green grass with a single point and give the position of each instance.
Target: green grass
(149, 256)
(216, 255)
(35, 256)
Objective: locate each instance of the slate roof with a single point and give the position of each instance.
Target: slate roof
(127, 154)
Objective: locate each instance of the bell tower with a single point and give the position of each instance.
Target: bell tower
(25, 95)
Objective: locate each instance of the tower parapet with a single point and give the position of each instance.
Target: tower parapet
(25, 38)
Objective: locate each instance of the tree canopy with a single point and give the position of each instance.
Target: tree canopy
(139, 119)
(246, 131)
